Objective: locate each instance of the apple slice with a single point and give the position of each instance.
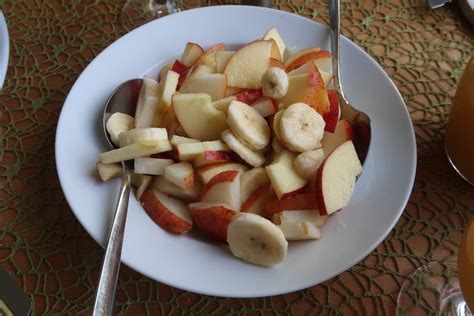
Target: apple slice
(161, 184)
(273, 34)
(306, 68)
(303, 59)
(176, 140)
(212, 218)
(109, 171)
(249, 96)
(147, 103)
(167, 88)
(302, 201)
(136, 150)
(181, 174)
(283, 176)
(336, 178)
(200, 70)
(307, 88)
(211, 84)
(209, 57)
(190, 151)
(164, 70)
(343, 132)
(255, 203)
(197, 116)
(299, 54)
(223, 188)
(324, 64)
(180, 68)
(222, 57)
(332, 116)
(206, 173)
(192, 52)
(299, 216)
(170, 214)
(246, 67)
(224, 103)
(209, 157)
(232, 91)
(276, 63)
(140, 182)
(265, 107)
(153, 166)
(251, 180)
(300, 231)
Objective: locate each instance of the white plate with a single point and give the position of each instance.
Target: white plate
(188, 262)
(4, 49)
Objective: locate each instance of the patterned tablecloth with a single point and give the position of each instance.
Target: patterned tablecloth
(57, 263)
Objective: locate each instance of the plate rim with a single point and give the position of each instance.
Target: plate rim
(270, 292)
(4, 49)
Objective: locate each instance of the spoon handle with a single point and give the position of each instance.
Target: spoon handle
(104, 301)
(335, 25)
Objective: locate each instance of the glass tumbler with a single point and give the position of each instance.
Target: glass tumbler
(459, 138)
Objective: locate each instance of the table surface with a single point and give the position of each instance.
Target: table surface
(58, 264)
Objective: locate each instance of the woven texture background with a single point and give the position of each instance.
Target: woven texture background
(53, 258)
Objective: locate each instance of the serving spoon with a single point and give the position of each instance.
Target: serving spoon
(360, 121)
(124, 100)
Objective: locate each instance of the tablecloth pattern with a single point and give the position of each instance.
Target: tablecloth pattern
(55, 261)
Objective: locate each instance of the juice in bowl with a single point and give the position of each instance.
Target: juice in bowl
(466, 264)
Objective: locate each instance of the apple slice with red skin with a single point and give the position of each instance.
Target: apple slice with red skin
(212, 218)
(247, 65)
(192, 52)
(332, 116)
(223, 188)
(335, 179)
(206, 173)
(170, 214)
(302, 201)
(308, 88)
(209, 57)
(298, 62)
(161, 184)
(179, 67)
(255, 203)
(249, 96)
(210, 157)
(343, 132)
(276, 63)
(181, 174)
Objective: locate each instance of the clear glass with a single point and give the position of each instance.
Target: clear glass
(447, 287)
(137, 12)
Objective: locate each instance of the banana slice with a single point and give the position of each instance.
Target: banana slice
(118, 123)
(275, 83)
(308, 162)
(253, 158)
(302, 128)
(248, 125)
(255, 239)
(276, 124)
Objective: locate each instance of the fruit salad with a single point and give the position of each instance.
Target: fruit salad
(246, 146)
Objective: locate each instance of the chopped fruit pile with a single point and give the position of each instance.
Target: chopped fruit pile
(246, 145)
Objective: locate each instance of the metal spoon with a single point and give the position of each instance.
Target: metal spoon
(123, 99)
(359, 120)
